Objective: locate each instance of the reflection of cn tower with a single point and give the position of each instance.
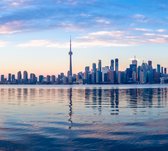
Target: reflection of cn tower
(70, 108)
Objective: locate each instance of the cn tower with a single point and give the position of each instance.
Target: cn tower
(70, 56)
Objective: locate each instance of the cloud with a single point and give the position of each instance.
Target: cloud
(142, 29)
(17, 3)
(161, 30)
(11, 27)
(93, 39)
(104, 38)
(140, 18)
(43, 43)
(122, 26)
(158, 40)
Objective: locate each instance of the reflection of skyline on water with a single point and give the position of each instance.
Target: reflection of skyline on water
(70, 108)
(97, 98)
(87, 118)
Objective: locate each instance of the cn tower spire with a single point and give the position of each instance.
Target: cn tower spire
(70, 55)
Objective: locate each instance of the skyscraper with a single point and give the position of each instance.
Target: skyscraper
(134, 61)
(112, 65)
(25, 77)
(162, 70)
(150, 63)
(19, 77)
(9, 77)
(94, 70)
(165, 70)
(99, 65)
(116, 69)
(94, 67)
(116, 64)
(70, 55)
(133, 68)
(99, 73)
(158, 68)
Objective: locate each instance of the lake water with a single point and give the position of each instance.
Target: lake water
(97, 117)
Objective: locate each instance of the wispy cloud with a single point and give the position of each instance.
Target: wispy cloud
(90, 20)
(105, 39)
(11, 27)
(142, 19)
(43, 43)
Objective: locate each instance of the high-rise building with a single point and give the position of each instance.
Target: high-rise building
(86, 74)
(158, 68)
(41, 79)
(33, 78)
(99, 65)
(9, 77)
(104, 73)
(165, 70)
(110, 76)
(25, 77)
(99, 73)
(98, 77)
(162, 70)
(112, 65)
(93, 74)
(143, 73)
(19, 77)
(116, 65)
(94, 67)
(48, 79)
(116, 69)
(150, 64)
(2, 78)
(134, 61)
(13, 78)
(53, 79)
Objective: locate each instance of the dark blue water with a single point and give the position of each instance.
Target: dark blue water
(42, 118)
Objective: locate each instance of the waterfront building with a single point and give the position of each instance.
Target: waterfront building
(19, 77)
(116, 65)
(9, 78)
(2, 79)
(116, 70)
(48, 79)
(41, 79)
(143, 73)
(25, 77)
(104, 74)
(112, 65)
(158, 68)
(162, 72)
(86, 74)
(99, 65)
(98, 77)
(165, 70)
(111, 75)
(53, 79)
(13, 79)
(33, 78)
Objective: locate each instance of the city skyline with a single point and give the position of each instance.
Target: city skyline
(34, 35)
(145, 73)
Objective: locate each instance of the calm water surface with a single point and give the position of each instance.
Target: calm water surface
(84, 118)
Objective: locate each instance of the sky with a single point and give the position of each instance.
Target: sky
(34, 34)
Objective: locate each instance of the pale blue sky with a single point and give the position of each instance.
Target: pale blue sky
(34, 35)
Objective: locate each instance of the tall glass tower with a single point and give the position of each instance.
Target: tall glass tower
(116, 64)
